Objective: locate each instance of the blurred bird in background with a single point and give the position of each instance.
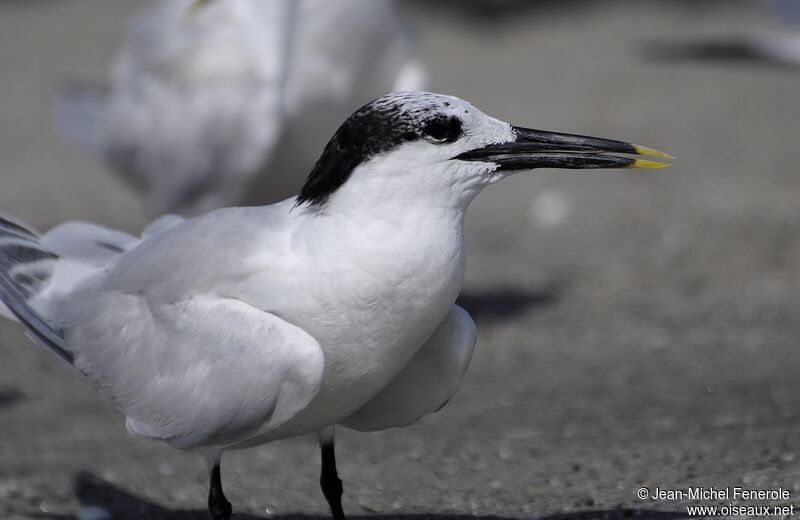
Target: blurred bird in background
(207, 94)
(781, 48)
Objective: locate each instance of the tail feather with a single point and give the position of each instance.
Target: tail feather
(24, 266)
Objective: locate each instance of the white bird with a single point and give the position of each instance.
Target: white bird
(206, 94)
(247, 325)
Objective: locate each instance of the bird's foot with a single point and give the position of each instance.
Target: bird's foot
(220, 510)
(219, 507)
(332, 489)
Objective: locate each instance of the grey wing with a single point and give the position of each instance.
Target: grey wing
(207, 371)
(427, 383)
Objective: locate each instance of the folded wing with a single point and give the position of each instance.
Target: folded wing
(206, 371)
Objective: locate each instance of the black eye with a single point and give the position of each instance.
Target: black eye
(442, 129)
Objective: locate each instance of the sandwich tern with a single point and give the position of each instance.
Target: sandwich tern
(335, 307)
(203, 92)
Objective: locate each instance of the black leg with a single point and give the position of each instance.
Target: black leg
(329, 481)
(218, 505)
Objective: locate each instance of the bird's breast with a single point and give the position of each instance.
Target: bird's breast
(387, 304)
(374, 302)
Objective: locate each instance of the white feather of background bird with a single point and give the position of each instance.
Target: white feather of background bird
(205, 95)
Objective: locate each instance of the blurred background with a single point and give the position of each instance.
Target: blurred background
(636, 329)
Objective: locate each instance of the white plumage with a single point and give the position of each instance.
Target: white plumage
(148, 324)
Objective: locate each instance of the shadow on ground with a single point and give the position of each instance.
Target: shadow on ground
(121, 505)
(482, 12)
(10, 396)
(494, 11)
(743, 49)
(506, 303)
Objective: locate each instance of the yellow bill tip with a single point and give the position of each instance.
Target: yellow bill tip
(641, 163)
(651, 152)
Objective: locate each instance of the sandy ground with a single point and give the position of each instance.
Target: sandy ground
(636, 329)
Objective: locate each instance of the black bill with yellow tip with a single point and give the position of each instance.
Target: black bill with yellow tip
(540, 149)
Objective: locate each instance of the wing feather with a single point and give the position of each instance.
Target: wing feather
(207, 371)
